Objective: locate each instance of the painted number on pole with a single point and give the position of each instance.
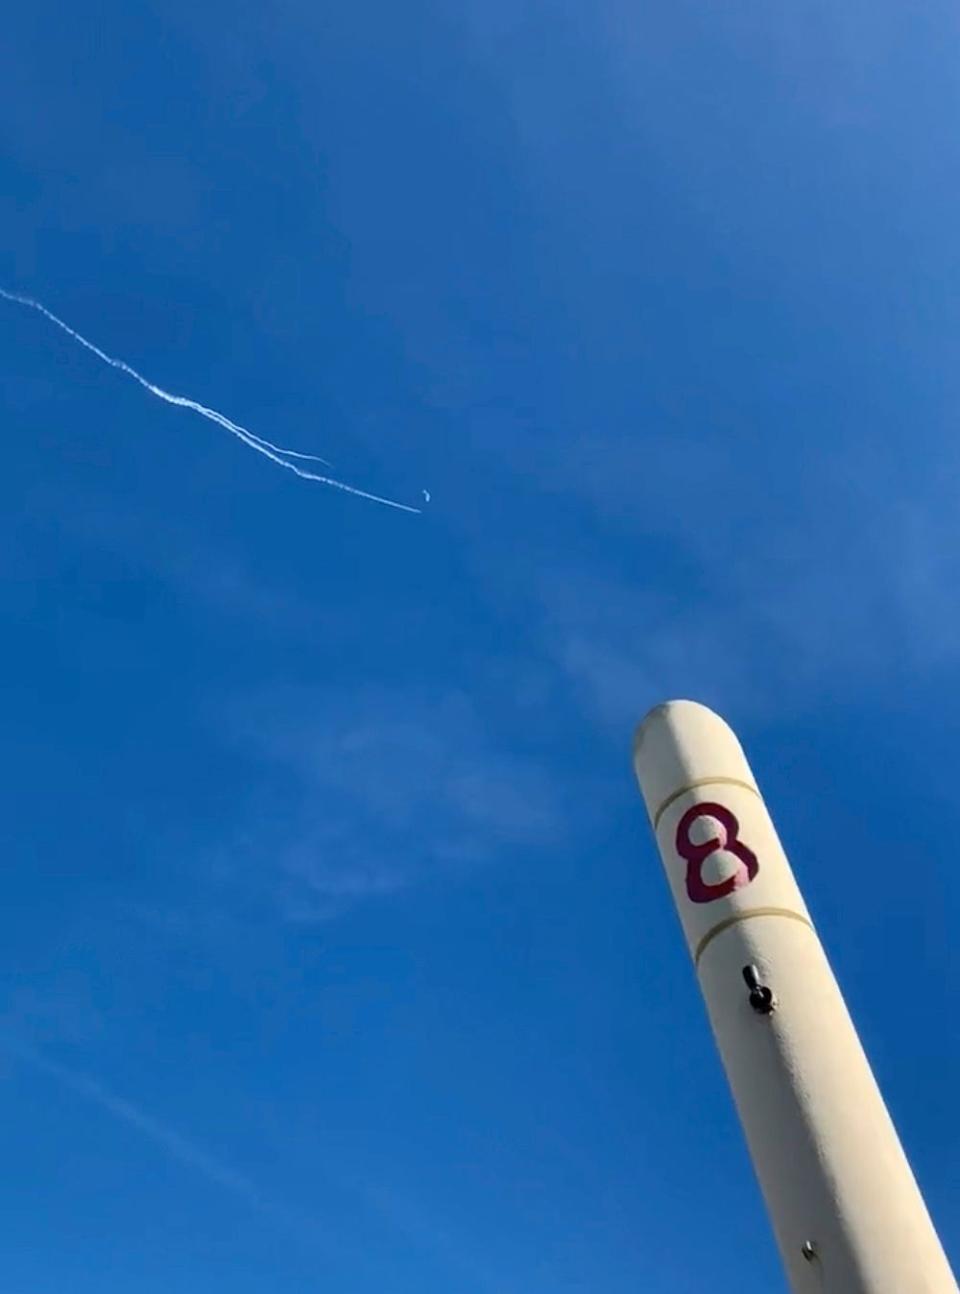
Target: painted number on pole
(699, 890)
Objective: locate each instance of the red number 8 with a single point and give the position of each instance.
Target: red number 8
(698, 890)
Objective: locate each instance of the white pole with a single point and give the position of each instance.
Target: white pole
(846, 1210)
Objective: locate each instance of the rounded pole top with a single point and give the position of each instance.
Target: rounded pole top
(681, 744)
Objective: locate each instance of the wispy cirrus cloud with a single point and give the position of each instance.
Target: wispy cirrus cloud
(376, 791)
(780, 596)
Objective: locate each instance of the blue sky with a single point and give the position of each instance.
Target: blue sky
(338, 954)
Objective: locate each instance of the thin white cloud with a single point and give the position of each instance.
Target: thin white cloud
(838, 578)
(382, 789)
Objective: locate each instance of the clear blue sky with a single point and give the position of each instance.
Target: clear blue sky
(337, 955)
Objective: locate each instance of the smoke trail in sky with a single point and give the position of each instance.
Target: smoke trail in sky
(275, 453)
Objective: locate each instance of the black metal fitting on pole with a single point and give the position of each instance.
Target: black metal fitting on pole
(760, 997)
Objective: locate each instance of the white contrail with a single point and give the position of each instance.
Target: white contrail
(172, 1142)
(182, 1150)
(275, 453)
(220, 418)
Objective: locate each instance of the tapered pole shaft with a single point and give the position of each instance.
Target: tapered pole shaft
(846, 1210)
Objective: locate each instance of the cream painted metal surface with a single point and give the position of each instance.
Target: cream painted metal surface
(846, 1210)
